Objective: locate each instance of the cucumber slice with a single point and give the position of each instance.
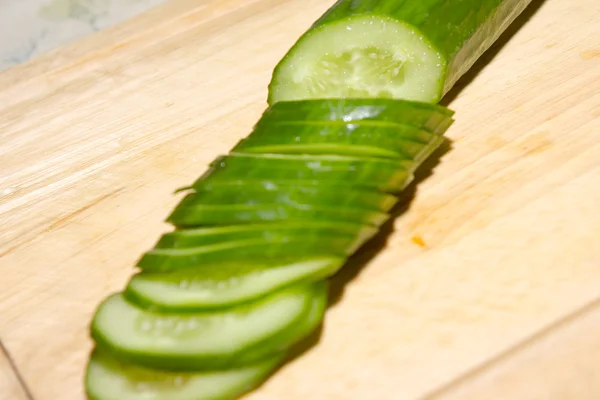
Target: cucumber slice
(227, 338)
(110, 379)
(411, 49)
(287, 193)
(247, 253)
(310, 230)
(231, 214)
(384, 175)
(372, 112)
(224, 286)
(301, 329)
(343, 140)
(386, 131)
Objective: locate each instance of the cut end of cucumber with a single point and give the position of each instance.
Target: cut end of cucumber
(360, 57)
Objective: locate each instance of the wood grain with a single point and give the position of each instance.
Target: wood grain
(95, 137)
(10, 385)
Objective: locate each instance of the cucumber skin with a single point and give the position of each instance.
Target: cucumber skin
(360, 172)
(460, 30)
(250, 252)
(206, 236)
(431, 117)
(274, 192)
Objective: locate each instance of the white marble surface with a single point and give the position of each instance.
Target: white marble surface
(29, 28)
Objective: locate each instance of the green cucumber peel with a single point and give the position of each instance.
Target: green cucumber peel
(248, 253)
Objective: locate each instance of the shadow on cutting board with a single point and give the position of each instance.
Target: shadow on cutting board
(358, 261)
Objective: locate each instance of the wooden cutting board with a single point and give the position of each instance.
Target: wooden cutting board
(488, 276)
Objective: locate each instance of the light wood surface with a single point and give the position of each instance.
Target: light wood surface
(10, 386)
(499, 244)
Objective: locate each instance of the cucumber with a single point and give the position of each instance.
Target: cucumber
(290, 193)
(385, 175)
(224, 286)
(185, 238)
(401, 49)
(371, 112)
(299, 330)
(228, 338)
(107, 378)
(338, 140)
(383, 130)
(246, 253)
(214, 214)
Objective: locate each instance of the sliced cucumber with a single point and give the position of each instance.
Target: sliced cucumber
(373, 112)
(287, 193)
(338, 140)
(301, 329)
(385, 175)
(388, 131)
(247, 253)
(203, 341)
(309, 230)
(411, 49)
(231, 214)
(224, 286)
(110, 379)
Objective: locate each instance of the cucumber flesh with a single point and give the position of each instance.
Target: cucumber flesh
(372, 112)
(224, 286)
(214, 214)
(247, 253)
(201, 340)
(290, 193)
(414, 49)
(310, 230)
(110, 379)
(385, 175)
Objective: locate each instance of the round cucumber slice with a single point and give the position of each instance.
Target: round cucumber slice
(201, 340)
(377, 112)
(360, 56)
(110, 379)
(287, 193)
(231, 214)
(309, 230)
(384, 175)
(248, 253)
(302, 328)
(224, 285)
